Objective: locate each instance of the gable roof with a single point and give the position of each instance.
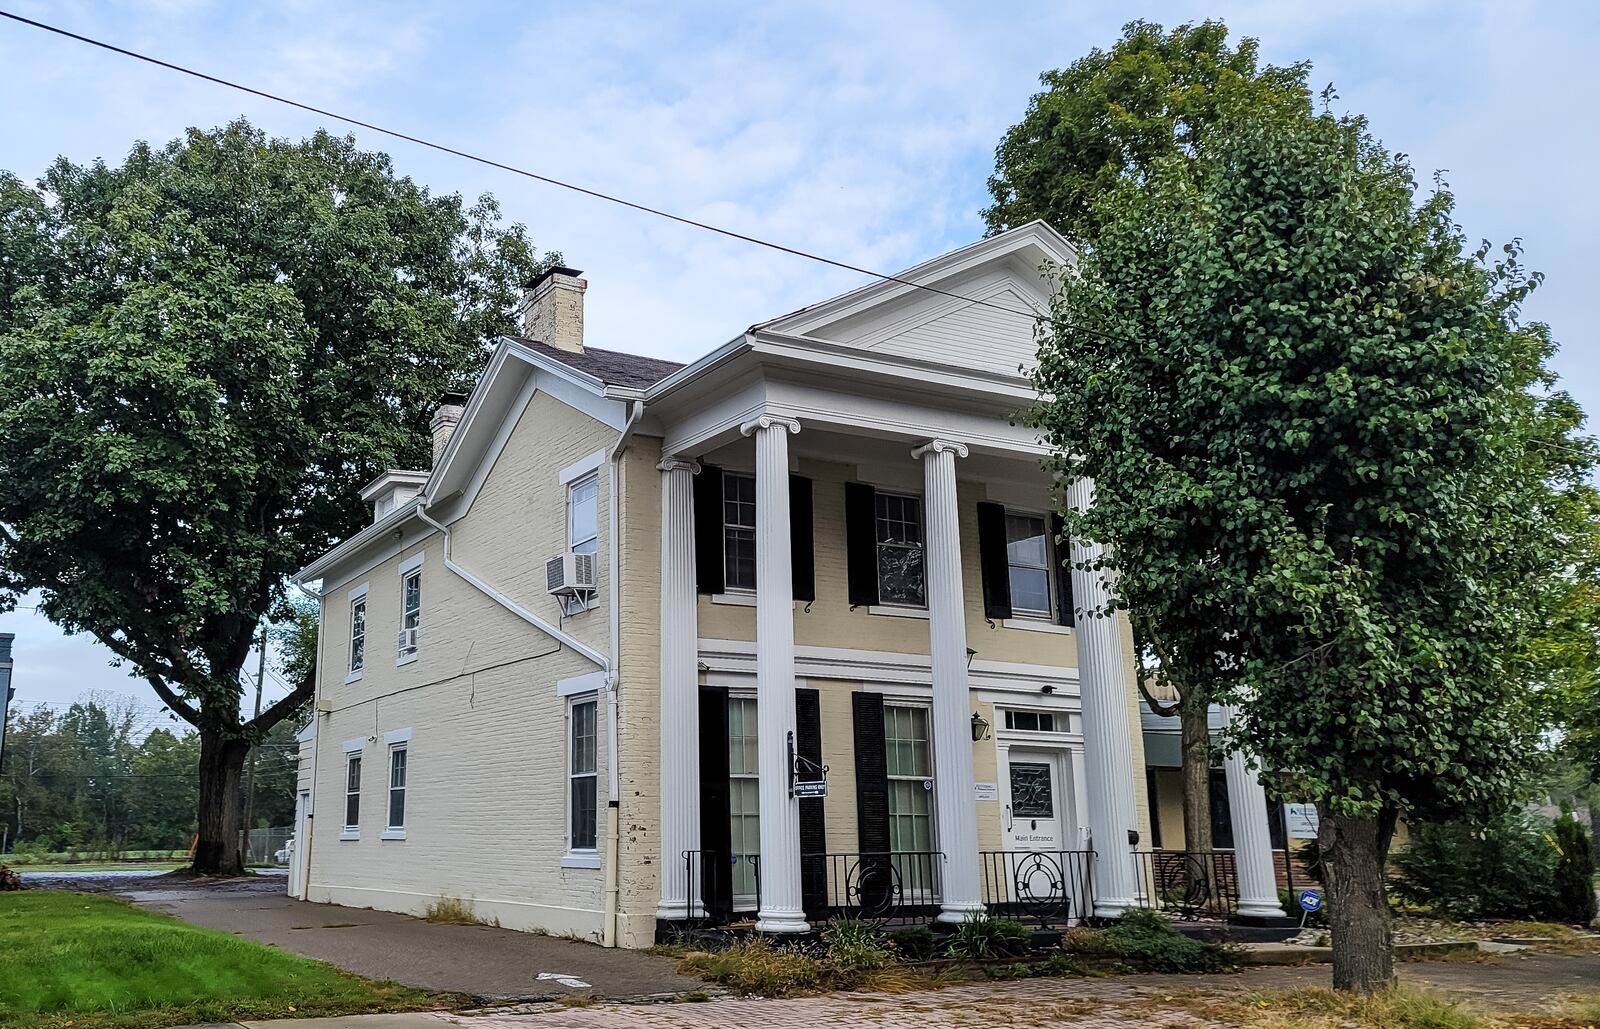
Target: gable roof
(611, 367)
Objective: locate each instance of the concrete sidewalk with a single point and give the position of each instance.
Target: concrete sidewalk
(477, 960)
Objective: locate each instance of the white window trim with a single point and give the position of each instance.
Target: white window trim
(578, 469)
(351, 598)
(933, 770)
(354, 747)
(898, 611)
(1037, 624)
(407, 567)
(580, 856)
(1042, 621)
(412, 563)
(395, 739)
(590, 682)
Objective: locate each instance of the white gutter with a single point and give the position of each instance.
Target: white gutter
(613, 770)
(506, 602)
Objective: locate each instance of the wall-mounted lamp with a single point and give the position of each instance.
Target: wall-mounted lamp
(970, 655)
(980, 727)
(1048, 688)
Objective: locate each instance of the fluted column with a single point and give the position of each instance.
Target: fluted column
(952, 724)
(1107, 732)
(680, 708)
(1252, 837)
(781, 903)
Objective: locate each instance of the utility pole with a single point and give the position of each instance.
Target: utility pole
(6, 691)
(250, 794)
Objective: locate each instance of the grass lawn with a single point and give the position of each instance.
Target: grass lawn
(103, 866)
(90, 961)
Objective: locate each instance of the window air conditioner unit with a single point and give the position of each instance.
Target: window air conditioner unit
(569, 575)
(406, 643)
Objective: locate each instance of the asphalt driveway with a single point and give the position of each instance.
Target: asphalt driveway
(482, 961)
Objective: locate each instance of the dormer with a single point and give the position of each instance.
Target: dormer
(395, 488)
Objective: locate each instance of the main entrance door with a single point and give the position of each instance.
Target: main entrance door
(1037, 806)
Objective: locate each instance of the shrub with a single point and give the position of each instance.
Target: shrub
(450, 911)
(1462, 869)
(756, 966)
(10, 881)
(1574, 877)
(1148, 939)
(914, 943)
(985, 936)
(855, 948)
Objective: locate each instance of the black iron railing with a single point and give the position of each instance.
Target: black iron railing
(1191, 884)
(719, 885)
(1050, 887)
(884, 888)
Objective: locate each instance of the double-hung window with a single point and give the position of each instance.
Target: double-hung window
(582, 778)
(901, 579)
(352, 793)
(909, 759)
(1028, 552)
(397, 786)
(744, 798)
(583, 515)
(410, 609)
(358, 634)
(739, 531)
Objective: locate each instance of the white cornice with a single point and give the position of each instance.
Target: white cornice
(739, 657)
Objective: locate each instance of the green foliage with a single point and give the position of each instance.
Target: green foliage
(855, 947)
(208, 349)
(755, 966)
(1574, 875)
(1147, 940)
(1503, 867)
(984, 935)
(914, 943)
(1113, 114)
(1325, 446)
(94, 961)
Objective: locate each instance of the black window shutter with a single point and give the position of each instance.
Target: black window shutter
(708, 570)
(992, 560)
(802, 551)
(813, 831)
(714, 863)
(872, 774)
(1066, 615)
(861, 542)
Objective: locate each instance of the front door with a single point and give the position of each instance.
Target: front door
(1037, 809)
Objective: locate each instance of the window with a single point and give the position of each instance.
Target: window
(352, 792)
(739, 531)
(410, 611)
(397, 786)
(910, 764)
(744, 796)
(583, 515)
(1028, 555)
(582, 779)
(358, 633)
(900, 573)
(1031, 721)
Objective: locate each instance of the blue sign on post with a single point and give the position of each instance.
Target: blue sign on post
(1310, 900)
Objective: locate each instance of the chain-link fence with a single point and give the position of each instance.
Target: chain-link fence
(267, 846)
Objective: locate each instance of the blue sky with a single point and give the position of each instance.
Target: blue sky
(864, 131)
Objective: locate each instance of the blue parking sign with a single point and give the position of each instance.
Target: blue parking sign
(1310, 900)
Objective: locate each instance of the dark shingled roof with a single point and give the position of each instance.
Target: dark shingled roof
(609, 366)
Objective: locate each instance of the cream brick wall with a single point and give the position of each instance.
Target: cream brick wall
(486, 803)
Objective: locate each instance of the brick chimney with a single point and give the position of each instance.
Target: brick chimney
(552, 308)
(445, 420)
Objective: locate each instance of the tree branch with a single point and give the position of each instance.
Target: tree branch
(282, 709)
(1164, 710)
(182, 708)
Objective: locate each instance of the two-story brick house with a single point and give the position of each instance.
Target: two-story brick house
(590, 671)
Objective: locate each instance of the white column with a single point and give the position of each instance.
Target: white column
(680, 696)
(1107, 732)
(1252, 837)
(781, 906)
(947, 648)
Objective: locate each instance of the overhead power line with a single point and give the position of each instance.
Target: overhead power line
(525, 173)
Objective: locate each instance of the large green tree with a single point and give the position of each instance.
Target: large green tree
(1316, 421)
(205, 351)
(1112, 114)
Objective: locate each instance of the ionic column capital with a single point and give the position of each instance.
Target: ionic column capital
(768, 421)
(679, 464)
(939, 446)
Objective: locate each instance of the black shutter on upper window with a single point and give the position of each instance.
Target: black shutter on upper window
(802, 550)
(861, 543)
(813, 831)
(992, 560)
(1065, 614)
(708, 555)
(714, 863)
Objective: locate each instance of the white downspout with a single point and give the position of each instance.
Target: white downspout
(613, 769)
(303, 847)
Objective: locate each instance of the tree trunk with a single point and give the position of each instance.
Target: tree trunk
(221, 761)
(1353, 853)
(1196, 744)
